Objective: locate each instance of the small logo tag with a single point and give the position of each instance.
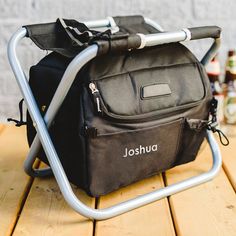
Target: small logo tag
(140, 150)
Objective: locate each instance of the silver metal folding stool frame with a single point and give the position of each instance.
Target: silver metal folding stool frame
(41, 124)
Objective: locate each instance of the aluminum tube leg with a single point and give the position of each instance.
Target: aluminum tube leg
(28, 168)
(211, 52)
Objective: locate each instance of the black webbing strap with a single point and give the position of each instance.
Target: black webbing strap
(19, 122)
(80, 34)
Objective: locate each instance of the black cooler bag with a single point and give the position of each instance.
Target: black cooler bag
(128, 115)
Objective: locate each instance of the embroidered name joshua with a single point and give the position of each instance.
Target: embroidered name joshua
(140, 150)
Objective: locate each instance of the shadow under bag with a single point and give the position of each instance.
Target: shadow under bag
(128, 115)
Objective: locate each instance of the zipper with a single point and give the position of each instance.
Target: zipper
(101, 108)
(93, 132)
(158, 114)
(96, 96)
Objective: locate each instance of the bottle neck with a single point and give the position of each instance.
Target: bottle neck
(229, 77)
(213, 77)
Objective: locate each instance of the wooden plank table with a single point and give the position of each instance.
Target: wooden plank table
(36, 207)
(14, 184)
(209, 209)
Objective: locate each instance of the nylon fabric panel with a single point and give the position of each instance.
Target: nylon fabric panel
(116, 160)
(122, 94)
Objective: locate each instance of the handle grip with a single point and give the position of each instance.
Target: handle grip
(205, 32)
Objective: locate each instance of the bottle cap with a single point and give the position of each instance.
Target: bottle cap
(231, 52)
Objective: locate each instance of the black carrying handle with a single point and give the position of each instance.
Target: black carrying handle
(205, 32)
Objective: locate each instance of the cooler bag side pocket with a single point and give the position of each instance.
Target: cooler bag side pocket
(118, 159)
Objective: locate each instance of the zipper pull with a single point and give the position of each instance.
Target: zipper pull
(212, 124)
(93, 88)
(223, 138)
(96, 96)
(91, 132)
(213, 109)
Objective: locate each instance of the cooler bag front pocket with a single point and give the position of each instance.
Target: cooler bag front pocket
(118, 159)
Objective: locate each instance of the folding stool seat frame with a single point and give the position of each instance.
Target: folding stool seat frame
(43, 123)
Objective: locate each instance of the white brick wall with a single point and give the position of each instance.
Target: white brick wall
(172, 14)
